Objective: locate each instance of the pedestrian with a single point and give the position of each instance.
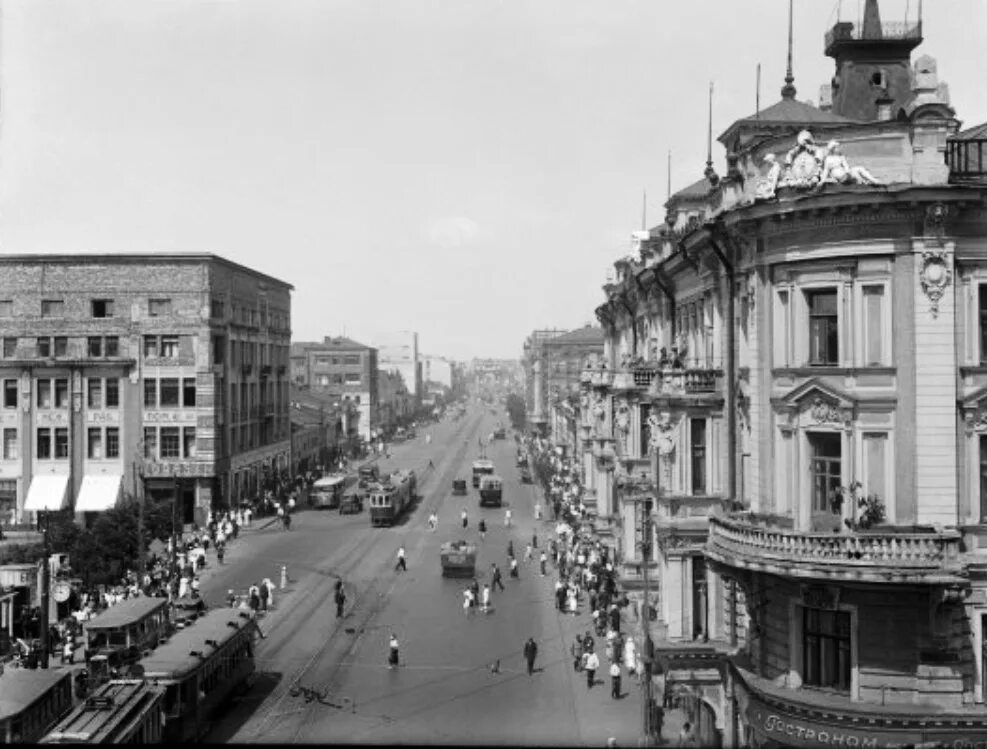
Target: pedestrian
(530, 653)
(392, 658)
(401, 562)
(231, 598)
(265, 593)
(254, 595)
(544, 563)
(340, 601)
(433, 521)
(270, 592)
(537, 511)
(592, 663)
(685, 735)
(572, 602)
(496, 579)
(68, 651)
(510, 548)
(467, 601)
(247, 516)
(514, 571)
(507, 518)
(534, 539)
(464, 518)
(220, 551)
(615, 680)
(482, 526)
(560, 595)
(528, 553)
(485, 600)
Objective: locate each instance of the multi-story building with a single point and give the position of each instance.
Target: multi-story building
(793, 391)
(162, 373)
(397, 405)
(323, 429)
(535, 375)
(343, 368)
(399, 351)
(437, 370)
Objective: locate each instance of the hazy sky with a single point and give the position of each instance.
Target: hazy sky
(465, 168)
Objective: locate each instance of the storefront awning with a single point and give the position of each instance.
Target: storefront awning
(98, 493)
(47, 492)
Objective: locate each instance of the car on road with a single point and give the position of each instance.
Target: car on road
(459, 486)
(458, 559)
(351, 504)
(525, 475)
(500, 433)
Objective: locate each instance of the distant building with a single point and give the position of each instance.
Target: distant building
(166, 370)
(437, 370)
(323, 429)
(399, 351)
(344, 368)
(397, 405)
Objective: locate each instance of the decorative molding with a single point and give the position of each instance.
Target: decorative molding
(935, 276)
(821, 596)
(935, 221)
(825, 412)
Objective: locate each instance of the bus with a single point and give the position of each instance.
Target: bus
(123, 633)
(31, 701)
(328, 492)
(200, 668)
(125, 711)
(481, 467)
(491, 489)
(388, 500)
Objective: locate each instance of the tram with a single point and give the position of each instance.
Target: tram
(388, 500)
(328, 492)
(491, 490)
(121, 634)
(200, 668)
(481, 467)
(31, 700)
(124, 711)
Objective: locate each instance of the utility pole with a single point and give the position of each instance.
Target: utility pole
(141, 556)
(45, 589)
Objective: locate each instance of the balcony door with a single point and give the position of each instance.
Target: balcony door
(826, 454)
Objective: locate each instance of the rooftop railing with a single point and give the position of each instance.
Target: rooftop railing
(894, 30)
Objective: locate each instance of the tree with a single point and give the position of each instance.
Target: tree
(516, 411)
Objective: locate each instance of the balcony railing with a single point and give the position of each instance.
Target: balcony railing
(659, 380)
(881, 555)
(845, 31)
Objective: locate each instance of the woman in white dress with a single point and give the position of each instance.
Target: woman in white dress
(572, 604)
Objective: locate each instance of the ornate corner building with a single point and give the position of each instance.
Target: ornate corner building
(794, 385)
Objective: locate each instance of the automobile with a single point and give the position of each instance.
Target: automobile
(525, 476)
(500, 433)
(351, 504)
(459, 486)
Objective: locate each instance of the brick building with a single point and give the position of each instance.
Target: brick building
(165, 373)
(344, 368)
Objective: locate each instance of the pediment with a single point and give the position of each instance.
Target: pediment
(815, 390)
(975, 401)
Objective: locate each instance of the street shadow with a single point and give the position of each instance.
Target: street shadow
(239, 710)
(409, 511)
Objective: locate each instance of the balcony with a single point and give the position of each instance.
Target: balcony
(265, 370)
(885, 555)
(246, 368)
(848, 32)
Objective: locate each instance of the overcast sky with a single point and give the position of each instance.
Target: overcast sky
(468, 169)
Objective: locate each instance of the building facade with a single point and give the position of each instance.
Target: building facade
(792, 388)
(344, 369)
(535, 378)
(323, 429)
(399, 351)
(164, 374)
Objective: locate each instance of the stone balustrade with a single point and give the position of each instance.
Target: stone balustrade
(883, 554)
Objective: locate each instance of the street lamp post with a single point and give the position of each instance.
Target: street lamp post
(45, 588)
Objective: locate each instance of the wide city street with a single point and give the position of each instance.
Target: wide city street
(462, 679)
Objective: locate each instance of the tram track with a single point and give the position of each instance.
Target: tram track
(367, 603)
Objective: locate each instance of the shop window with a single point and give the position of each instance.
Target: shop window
(61, 443)
(826, 649)
(44, 393)
(112, 442)
(158, 307)
(150, 392)
(824, 336)
(101, 307)
(9, 348)
(95, 443)
(188, 392)
(52, 308)
(112, 392)
(94, 393)
(43, 447)
(826, 455)
(697, 448)
(170, 444)
(10, 445)
(61, 393)
(10, 393)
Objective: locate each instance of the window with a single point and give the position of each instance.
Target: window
(9, 348)
(44, 347)
(352, 378)
(158, 307)
(52, 308)
(111, 345)
(61, 443)
(322, 380)
(94, 393)
(322, 361)
(150, 393)
(6, 307)
(10, 445)
(170, 444)
(169, 346)
(875, 450)
(61, 393)
(95, 346)
(983, 323)
(826, 649)
(112, 442)
(150, 443)
(983, 478)
(150, 347)
(95, 443)
(218, 349)
(216, 307)
(44, 393)
(824, 335)
(169, 392)
(873, 325)
(697, 449)
(44, 444)
(826, 451)
(112, 392)
(337, 379)
(188, 442)
(10, 393)
(188, 392)
(101, 307)
(61, 345)
(352, 360)
(645, 432)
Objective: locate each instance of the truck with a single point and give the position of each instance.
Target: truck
(491, 490)
(458, 559)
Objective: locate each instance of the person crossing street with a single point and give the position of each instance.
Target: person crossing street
(496, 581)
(530, 653)
(401, 563)
(340, 601)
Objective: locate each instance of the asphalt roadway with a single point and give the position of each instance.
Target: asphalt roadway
(462, 679)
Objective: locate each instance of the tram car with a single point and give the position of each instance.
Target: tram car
(201, 667)
(458, 559)
(124, 711)
(491, 490)
(389, 499)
